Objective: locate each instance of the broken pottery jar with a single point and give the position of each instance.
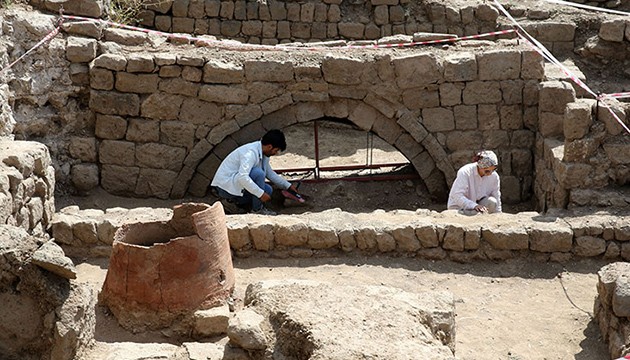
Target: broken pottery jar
(160, 273)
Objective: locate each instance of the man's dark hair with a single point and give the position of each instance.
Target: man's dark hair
(276, 138)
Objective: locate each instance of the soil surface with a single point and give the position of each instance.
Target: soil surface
(514, 310)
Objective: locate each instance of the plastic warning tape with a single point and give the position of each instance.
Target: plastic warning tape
(46, 38)
(283, 48)
(618, 95)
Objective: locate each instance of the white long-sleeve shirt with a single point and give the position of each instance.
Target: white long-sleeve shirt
(469, 187)
(233, 173)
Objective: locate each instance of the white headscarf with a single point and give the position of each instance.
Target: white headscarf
(487, 159)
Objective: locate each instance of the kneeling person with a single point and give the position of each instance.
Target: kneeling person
(240, 179)
(477, 187)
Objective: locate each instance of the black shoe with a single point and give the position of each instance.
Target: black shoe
(231, 208)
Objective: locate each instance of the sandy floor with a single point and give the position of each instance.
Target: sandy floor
(513, 310)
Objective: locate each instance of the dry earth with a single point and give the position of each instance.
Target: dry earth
(514, 310)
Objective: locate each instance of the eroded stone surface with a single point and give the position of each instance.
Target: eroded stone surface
(306, 319)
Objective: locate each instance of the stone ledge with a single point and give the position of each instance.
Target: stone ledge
(557, 236)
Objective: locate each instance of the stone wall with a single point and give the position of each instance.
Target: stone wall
(582, 152)
(44, 314)
(612, 307)
(27, 186)
(164, 121)
(560, 236)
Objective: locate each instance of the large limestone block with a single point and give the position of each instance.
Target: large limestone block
(613, 30)
(381, 322)
(418, 70)
(272, 71)
(578, 119)
(342, 71)
(499, 65)
(217, 71)
(554, 96)
(506, 236)
(81, 49)
(554, 236)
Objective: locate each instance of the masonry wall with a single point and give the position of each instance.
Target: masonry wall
(582, 152)
(165, 121)
(557, 236)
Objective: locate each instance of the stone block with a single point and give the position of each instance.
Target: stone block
(119, 180)
(177, 133)
(385, 242)
(113, 103)
(550, 124)
(421, 98)
(125, 37)
(406, 239)
(110, 127)
(351, 30)
(506, 237)
(155, 183)
(499, 65)
(532, 65)
(554, 96)
(427, 235)
(555, 31)
(605, 115)
(117, 152)
(222, 72)
(612, 30)
(101, 79)
(212, 322)
(143, 131)
(198, 112)
(342, 71)
(85, 177)
(115, 62)
(451, 94)
(80, 50)
(161, 106)
(578, 119)
(83, 148)
(291, 233)
(589, 246)
(160, 156)
(179, 86)
(482, 92)
(137, 83)
(262, 235)
(272, 71)
(414, 71)
(438, 119)
(460, 67)
(551, 237)
(140, 63)
(322, 237)
(238, 233)
(224, 94)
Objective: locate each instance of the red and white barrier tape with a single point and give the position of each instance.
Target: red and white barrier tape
(547, 55)
(46, 38)
(622, 95)
(281, 48)
(588, 7)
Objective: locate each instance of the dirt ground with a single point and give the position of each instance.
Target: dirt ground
(515, 310)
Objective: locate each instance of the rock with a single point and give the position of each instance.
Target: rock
(245, 330)
(309, 319)
(51, 257)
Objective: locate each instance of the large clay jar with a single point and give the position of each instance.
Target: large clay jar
(161, 272)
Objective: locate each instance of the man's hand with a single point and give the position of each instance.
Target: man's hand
(481, 209)
(265, 197)
(294, 188)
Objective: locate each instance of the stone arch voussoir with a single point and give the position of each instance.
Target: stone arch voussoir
(404, 132)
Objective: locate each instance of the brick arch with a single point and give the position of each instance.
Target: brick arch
(404, 132)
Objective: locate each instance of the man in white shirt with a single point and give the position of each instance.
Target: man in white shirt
(240, 179)
(477, 188)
